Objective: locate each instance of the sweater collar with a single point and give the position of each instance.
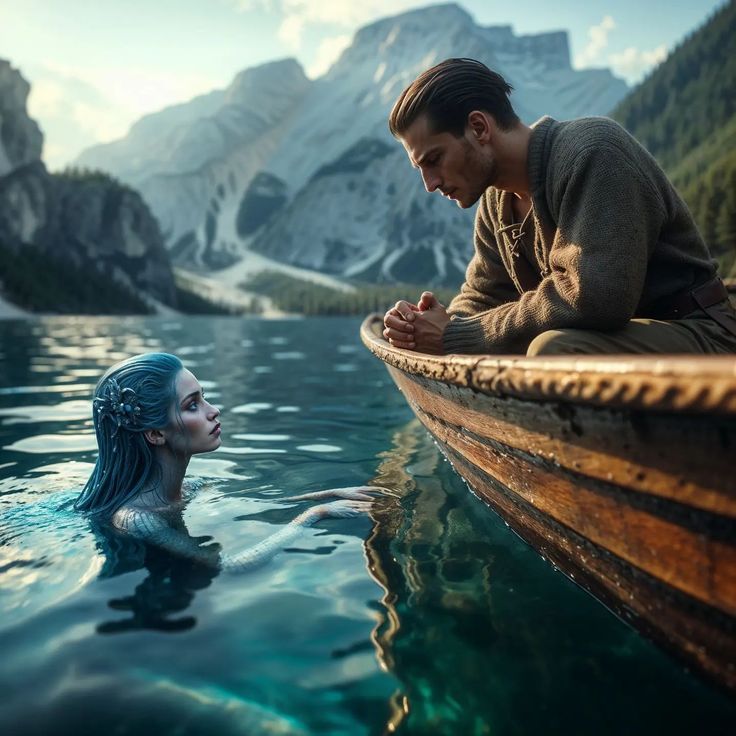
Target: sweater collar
(538, 154)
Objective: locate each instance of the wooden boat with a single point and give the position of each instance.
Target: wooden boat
(621, 471)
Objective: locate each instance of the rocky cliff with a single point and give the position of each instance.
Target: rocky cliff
(81, 221)
(20, 137)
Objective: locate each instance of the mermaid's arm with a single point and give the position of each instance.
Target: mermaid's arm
(354, 493)
(263, 551)
(152, 528)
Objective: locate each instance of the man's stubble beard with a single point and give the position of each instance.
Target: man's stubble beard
(483, 169)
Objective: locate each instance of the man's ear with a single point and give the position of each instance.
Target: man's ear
(481, 125)
(154, 437)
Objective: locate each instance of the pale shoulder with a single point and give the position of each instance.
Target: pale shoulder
(138, 521)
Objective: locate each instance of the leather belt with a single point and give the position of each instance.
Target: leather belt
(702, 298)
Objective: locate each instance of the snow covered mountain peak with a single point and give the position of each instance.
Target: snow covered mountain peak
(272, 79)
(307, 172)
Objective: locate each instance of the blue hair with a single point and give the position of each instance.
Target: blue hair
(132, 397)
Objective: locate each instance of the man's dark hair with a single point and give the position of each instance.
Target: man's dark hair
(448, 93)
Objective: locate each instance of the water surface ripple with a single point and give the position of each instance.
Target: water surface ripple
(429, 617)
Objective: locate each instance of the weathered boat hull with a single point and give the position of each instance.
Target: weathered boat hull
(620, 472)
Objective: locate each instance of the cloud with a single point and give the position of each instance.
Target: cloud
(597, 42)
(298, 15)
(327, 52)
(78, 107)
(54, 104)
(341, 13)
(633, 63)
(54, 155)
(46, 98)
(98, 123)
(346, 14)
(135, 90)
(244, 6)
(290, 32)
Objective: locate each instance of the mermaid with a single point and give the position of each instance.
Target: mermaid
(151, 416)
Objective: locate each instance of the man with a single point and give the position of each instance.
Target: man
(582, 245)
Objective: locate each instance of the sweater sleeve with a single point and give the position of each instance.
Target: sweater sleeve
(608, 218)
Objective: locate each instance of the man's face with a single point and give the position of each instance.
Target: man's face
(461, 168)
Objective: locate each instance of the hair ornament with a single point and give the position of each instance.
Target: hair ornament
(119, 404)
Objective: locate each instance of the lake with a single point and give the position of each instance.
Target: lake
(428, 616)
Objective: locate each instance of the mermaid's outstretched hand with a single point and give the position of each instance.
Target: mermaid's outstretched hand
(354, 493)
(335, 510)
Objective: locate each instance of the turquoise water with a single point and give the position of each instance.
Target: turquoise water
(428, 617)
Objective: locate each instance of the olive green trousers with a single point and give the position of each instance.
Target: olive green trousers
(694, 334)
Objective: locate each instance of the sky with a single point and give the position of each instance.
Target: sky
(97, 66)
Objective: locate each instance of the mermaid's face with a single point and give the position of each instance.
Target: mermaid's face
(195, 425)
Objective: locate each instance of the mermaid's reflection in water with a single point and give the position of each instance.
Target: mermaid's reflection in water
(161, 599)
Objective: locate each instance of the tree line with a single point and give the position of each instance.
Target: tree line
(38, 281)
(685, 114)
(296, 296)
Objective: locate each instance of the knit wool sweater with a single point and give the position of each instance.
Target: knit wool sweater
(610, 236)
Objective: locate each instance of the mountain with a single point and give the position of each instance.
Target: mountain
(306, 171)
(70, 242)
(685, 114)
(193, 162)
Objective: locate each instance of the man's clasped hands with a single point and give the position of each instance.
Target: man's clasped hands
(417, 326)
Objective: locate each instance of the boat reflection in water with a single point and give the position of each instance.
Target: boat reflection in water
(618, 471)
(434, 570)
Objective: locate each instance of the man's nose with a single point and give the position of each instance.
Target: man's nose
(431, 180)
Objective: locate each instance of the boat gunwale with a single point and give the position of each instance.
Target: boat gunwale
(667, 383)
